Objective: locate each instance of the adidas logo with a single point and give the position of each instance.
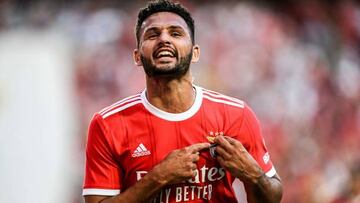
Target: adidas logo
(141, 151)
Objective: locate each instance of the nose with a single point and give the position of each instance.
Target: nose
(164, 38)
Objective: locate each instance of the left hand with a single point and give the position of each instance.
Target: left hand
(233, 156)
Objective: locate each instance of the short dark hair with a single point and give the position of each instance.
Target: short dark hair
(164, 6)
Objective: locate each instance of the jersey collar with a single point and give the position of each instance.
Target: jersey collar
(174, 116)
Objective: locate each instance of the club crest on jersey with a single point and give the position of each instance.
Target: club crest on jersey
(211, 136)
(141, 151)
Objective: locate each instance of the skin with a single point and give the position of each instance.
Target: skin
(234, 158)
(175, 94)
(170, 30)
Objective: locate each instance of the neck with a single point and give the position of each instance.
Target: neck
(171, 95)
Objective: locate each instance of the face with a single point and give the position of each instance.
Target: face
(165, 46)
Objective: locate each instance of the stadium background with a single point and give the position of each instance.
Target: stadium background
(295, 62)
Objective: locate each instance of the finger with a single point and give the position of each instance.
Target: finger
(190, 166)
(194, 157)
(231, 140)
(193, 167)
(223, 143)
(234, 142)
(221, 161)
(194, 173)
(221, 152)
(198, 147)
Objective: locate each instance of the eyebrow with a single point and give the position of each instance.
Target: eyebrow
(171, 27)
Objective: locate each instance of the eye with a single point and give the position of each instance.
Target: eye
(152, 36)
(175, 34)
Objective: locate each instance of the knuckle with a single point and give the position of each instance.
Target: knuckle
(231, 148)
(196, 157)
(228, 163)
(186, 150)
(194, 166)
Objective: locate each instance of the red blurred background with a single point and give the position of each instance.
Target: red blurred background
(296, 63)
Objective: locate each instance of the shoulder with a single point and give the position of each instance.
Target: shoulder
(119, 106)
(218, 98)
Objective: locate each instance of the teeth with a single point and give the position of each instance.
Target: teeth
(164, 53)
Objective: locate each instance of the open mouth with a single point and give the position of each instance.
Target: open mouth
(164, 52)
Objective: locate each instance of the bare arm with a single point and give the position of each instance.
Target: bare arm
(264, 189)
(178, 166)
(142, 191)
(234, 158)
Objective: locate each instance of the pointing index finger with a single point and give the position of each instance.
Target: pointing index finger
(198, 147)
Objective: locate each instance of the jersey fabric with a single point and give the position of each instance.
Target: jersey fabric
(130, 137)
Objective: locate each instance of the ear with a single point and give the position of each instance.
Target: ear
(137, 58)
(196, 54)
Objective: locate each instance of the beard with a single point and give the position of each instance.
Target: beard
(180, 68)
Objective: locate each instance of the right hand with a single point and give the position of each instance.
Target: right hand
(179, 165)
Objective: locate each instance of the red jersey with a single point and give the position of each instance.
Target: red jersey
(130, 137)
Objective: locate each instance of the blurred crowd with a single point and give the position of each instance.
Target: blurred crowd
(296, 63)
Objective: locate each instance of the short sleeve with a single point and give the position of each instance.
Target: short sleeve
(102, 174)
(255, 143)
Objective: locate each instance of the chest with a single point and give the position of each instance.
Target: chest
(148, 139)
(159, 137)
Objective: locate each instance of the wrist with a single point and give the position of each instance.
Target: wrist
(158, 177)
(260, 178)
(256, 177)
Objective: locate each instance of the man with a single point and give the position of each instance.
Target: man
(155, 146)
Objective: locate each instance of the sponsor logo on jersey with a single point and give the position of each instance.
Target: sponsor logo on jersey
(200, 187)
(203, 175)
(141, 151)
